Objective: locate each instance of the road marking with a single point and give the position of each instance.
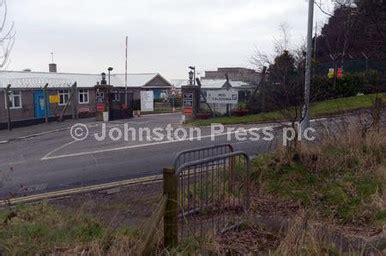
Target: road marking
(53, 151)
(49, 157)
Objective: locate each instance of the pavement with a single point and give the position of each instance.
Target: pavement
(39, 129)
(46, 158)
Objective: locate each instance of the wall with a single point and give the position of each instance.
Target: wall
(27, 111)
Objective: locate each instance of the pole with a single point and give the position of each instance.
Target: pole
(194, 74)
(8, 107)
(109, 77)
(306, 109)
(170, 189)
(126, 100)
(46, 103)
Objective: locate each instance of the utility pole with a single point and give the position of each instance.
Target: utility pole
(307, 84)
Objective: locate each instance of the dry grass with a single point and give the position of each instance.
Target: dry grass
(341, 178)
(302, 239)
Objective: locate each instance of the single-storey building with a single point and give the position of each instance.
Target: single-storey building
(27, 95)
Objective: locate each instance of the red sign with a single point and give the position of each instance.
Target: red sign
(188, 110)
(100, 107)
(339, 73)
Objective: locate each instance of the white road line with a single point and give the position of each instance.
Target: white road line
(53, 151)
(48, 157)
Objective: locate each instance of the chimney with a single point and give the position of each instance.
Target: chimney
(52, 68)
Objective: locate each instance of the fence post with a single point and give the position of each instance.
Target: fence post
(7, 104)
(170, 188)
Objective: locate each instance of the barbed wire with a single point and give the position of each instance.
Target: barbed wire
(36, 82)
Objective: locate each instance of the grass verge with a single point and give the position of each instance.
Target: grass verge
(341, 179)
(318, 109)
(42, 229)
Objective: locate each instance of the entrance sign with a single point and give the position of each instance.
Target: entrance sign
(188, 99)
(147, 101)
(222, 97)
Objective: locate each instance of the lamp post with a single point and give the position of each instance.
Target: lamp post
(193, 70)
(109, 69)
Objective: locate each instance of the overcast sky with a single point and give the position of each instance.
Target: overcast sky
(165, 36)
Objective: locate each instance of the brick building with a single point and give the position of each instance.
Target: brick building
(27, 96)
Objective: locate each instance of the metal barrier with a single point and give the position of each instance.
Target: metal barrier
(205, 195)
(201, 153)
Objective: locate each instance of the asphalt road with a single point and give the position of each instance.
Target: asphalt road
(56, 161)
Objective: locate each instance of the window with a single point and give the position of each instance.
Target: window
(83, 96)
(64, 96)
(14, 100)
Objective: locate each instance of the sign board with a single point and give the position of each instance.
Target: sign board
(187, 110)
(174, 92)
(53, 99)
(147, 101)
(339, 73)
(222, 97)
(187, 100)
(100, 107)
(331, 73)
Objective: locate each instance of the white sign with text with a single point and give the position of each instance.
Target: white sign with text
(147, 101)
(222, 97)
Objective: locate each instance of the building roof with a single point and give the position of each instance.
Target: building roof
(211, 83)
(25, 79)
(179, 82)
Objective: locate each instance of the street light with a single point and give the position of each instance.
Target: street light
(103, 82)
(193, 70)
(109, 69)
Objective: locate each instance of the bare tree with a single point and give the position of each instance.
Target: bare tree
(7, 35)
(283, 89)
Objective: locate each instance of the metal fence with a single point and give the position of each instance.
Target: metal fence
(208, 191)
(201, 153)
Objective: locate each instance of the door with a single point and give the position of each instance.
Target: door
(39, 104)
